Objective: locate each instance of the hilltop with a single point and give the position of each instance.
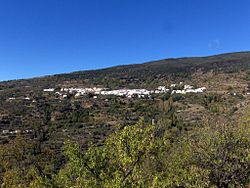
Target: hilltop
(139, 74)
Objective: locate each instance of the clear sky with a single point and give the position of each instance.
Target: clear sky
(41, 37)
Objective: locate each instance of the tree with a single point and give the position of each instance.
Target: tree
(23, 162)
(223, 150)
(142, 155)
(117, 163)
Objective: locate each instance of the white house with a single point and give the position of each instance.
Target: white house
(49, 90)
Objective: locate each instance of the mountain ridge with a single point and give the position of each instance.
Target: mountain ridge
(148, 74)
(147, 63)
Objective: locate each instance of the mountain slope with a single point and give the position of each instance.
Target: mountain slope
(35, 123)
(225, 76)
(168, 69)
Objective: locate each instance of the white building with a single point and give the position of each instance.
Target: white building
(49, 90)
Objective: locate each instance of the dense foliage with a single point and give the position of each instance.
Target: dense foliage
(142, 155)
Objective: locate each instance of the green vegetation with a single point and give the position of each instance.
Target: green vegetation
(169, 140)
(141, 155)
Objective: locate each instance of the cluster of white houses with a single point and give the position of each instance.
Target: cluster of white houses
(129, 93)
(21, 98)
(17, 131)
(189, 89)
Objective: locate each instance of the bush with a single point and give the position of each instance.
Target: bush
(212, 156)
(176, 97)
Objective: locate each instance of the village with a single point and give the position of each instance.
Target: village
(95, 92)
(127, 93)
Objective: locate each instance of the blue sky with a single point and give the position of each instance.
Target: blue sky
(41, 37)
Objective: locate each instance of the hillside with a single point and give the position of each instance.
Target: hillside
(86, 107)
(169, 69)
(220, 74)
